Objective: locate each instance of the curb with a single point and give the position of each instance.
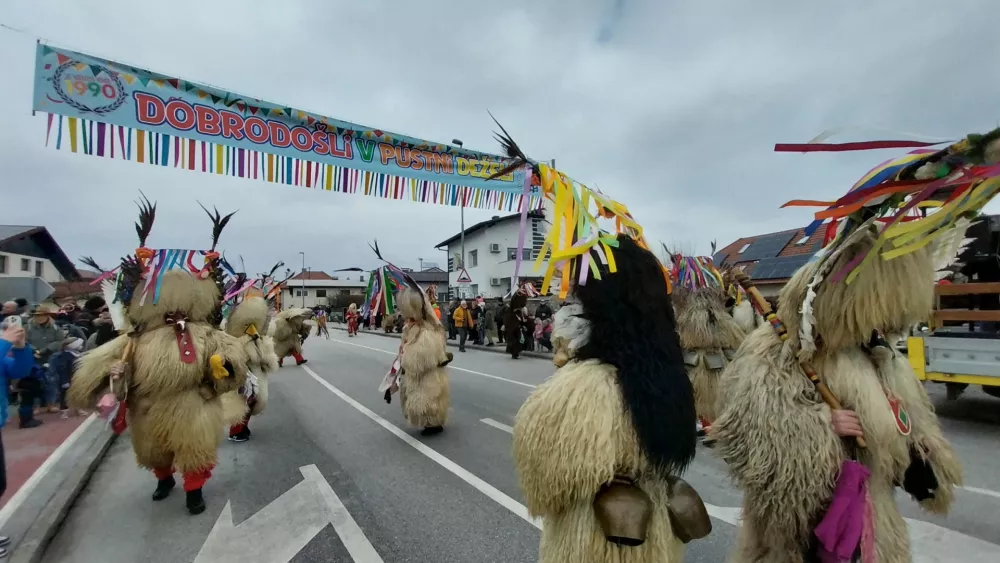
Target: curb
(36, 539)
(493, 350)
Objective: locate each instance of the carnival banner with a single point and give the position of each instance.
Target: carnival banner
(103, 108)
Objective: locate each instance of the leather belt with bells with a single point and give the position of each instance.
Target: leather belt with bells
(185, 345)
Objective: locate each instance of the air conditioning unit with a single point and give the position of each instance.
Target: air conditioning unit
(494, 281)
(494, 248)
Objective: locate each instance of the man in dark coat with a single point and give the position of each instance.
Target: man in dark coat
(513, 323)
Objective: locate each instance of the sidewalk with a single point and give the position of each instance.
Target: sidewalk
(498, 349)
(25, 450)
(47, 467)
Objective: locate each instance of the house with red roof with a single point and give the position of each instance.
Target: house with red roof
(770, 259)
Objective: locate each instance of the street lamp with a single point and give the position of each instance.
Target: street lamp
(421, 260)
(303, 279)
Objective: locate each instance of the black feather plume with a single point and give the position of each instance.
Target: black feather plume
(510, 149)
(275, 269)
(351, 269)
(218, 223)
(377, 253)
(91, 263)
(147, 214)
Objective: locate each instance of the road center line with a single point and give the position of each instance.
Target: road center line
(450, 366)
(482, 486)
(986, 492)
(497, 425)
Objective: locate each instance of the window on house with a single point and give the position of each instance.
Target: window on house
(361, 277)
(25, 265)
(451, 264)
(744, 248)
(802, 241)
(321, 292)
(345, 292)
(336, 277)
(301, 293)
(3, 264)
(39, 268)
(473, 258)
(525, 254)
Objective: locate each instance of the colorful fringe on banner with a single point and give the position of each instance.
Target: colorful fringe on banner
(918, 198)
(159, 149)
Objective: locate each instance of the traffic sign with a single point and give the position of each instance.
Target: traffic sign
(463, 276)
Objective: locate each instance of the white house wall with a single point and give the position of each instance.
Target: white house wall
(491, 265)
(12, 268)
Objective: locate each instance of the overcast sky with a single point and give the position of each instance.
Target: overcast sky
(672, 108)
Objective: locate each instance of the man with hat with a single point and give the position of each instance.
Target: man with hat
(45, 339)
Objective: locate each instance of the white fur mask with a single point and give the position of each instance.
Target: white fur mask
(570, 325)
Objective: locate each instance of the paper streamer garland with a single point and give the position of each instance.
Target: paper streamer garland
(158, 149)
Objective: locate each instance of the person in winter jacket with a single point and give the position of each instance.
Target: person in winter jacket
(16, 360)
(46, 338)
(62, 365)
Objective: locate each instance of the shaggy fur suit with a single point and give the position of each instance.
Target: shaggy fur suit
(775, 432)
(424, 392)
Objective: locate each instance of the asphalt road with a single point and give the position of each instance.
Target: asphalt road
(333, 473)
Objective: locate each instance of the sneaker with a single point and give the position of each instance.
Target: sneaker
(64, 414)
(33, 423)
(238, 438)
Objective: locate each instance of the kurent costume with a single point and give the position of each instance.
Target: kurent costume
(598, 446)
(418, 372)
(289, 331)
(709, 335)
(171, 367)
(352, 320)
(835, 320)
(247, 316)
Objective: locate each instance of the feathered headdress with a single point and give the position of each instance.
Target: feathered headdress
(574, 232)
(926, 197)
(385, 282)
(695, 272)
(149, 265)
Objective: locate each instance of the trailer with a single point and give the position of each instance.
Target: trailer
(960, 346)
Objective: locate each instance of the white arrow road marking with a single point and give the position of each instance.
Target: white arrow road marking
(450, 366)
(482, 486)
(281, 529)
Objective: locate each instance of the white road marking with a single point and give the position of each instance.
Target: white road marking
(482, 486)
(357, 544)
(450, 366)
(986, 492)
(497, 425)
(280, 530)
(17, 499)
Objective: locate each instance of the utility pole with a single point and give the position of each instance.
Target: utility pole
(303, 274)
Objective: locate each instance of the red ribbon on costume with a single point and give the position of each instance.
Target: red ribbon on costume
(184, 344)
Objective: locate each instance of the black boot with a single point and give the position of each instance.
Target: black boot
(163, 488)
(431, 430)
(195, 502)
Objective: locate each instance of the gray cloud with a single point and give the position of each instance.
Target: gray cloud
(671, 107)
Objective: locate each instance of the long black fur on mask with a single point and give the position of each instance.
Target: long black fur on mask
(632, 328)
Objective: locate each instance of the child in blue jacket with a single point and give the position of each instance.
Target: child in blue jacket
(16, 360)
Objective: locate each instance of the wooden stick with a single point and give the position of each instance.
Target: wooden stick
(765, 309)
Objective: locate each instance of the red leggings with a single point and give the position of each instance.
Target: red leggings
(193, 480)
